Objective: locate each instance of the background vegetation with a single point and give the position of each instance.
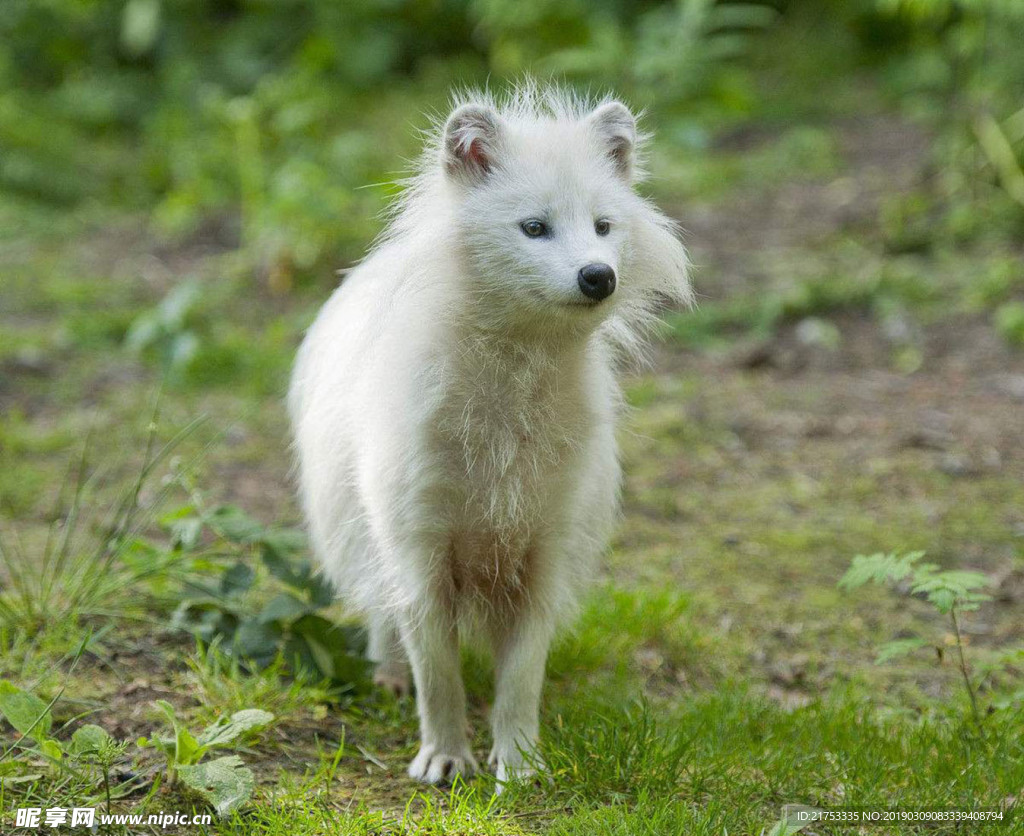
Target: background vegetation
(178, 182)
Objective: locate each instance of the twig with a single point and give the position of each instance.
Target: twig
(546, 811)
(375, 761)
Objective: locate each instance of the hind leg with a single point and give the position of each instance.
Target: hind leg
(384, 648)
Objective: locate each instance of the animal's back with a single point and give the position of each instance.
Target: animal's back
(327, 404)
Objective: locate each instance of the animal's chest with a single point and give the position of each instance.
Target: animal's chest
(507, 449)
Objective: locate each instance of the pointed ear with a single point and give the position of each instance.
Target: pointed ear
(470, 141)
(615, 126)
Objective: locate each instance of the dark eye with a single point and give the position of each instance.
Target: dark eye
(533, 228)
(602, 227)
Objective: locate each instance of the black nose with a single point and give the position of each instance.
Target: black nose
(597, 281)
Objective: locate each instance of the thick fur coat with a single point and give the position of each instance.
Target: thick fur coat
(454, 404)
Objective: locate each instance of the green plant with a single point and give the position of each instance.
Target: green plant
(92, 746)
(952, 592)
(89, 552)
(90, 749)
(168, 330)
(811, 301)
(290, 625)
(31, 718)
(225, 781)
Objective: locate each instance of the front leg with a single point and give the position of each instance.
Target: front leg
(431, 641)
(521, 656)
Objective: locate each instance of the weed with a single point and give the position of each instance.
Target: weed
(167, 330)
(79, 764)
(225, 781)
(951, 592)
(224, 684)
(71, 579)
(291, 625)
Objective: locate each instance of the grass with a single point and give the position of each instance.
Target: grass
(711, 748)
(223, 685)
(68, 580)
(726, 763)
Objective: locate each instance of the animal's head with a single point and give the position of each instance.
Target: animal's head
(546, 210)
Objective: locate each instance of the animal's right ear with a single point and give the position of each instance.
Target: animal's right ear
(616, 126)
(470, 141)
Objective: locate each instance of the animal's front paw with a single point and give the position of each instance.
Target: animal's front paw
(436, 766)
(511, 767)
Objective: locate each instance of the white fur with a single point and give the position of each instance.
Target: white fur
(454, 403)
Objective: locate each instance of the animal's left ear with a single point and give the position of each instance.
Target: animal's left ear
(616, 128)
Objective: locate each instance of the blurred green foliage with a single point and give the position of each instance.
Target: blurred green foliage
(278, 114)
(283, 110)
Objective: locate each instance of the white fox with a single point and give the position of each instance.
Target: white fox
(454, 404)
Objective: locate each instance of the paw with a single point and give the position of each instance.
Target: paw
(434, 766)
(394, 681)
(510, 768)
